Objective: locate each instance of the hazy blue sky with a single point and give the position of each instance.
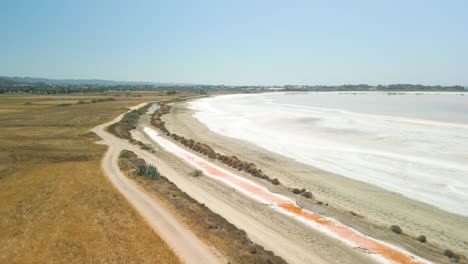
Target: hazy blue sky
(238, 42)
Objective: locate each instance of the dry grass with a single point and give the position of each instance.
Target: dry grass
(56, 206)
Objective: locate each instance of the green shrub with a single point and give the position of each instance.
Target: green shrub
(152, 172)
(147, 170)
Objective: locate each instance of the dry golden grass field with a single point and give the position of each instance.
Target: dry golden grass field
(56, 206)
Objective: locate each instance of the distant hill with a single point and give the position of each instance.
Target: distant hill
(95, 82)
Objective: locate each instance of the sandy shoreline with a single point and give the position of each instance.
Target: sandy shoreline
(379, 208)
(289, 239)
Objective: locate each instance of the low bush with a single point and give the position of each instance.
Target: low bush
(275, 181)
(308, 195)
(196, 173)
(253, 250)
(422, 238)
(396, 229)
(449, 253)
(146, 147)
(296, 191)
(124, 154)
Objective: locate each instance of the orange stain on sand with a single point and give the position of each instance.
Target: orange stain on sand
(382, 251)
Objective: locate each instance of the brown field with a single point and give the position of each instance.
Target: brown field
(56, 206)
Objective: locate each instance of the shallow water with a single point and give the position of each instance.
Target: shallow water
(413, 144)
(153, 108)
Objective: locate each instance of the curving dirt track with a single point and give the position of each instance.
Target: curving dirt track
(184, 243)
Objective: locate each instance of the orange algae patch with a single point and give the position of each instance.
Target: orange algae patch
(255, 191)
(352, 236)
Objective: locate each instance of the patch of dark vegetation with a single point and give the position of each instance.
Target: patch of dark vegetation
(209, 226)
(127, 123)
(100, 100)
(422, 239)
(142, 145)
(396, 229)
(451, 255)
(95, 100)
(303, 192)
(196, 173)
(128, 161)
(64, 105)
(126, 154)
(147, 170)
(132, 95)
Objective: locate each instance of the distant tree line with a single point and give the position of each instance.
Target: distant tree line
(418, 87)
(9, 86)
(48, 89)
(366, 87)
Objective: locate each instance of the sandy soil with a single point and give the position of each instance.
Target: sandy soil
(293, 241)
(379, 208)
(184, 243)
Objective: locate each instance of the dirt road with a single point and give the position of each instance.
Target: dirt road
(184, 243)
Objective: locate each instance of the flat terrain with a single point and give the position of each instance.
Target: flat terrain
(56, 206)
(366, 208)
(289, 239)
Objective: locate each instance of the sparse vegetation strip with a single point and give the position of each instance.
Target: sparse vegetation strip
(128, 122)
(209, 226)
